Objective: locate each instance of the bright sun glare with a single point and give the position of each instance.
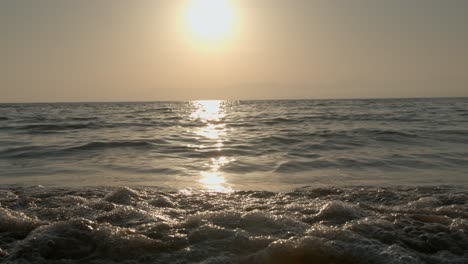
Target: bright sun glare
(210, 20)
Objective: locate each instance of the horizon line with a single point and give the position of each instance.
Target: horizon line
(238, 100)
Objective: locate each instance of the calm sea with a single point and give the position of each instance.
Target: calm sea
(236, 145)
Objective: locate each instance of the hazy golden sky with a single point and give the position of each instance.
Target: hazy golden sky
(114, 50)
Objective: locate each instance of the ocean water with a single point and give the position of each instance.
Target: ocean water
(308, 181)
(238, 145)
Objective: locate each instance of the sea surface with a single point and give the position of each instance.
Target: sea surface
(238, 145)
(306, 181)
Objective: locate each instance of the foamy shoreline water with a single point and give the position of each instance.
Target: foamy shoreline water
(149, 225)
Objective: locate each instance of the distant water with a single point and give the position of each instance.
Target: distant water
(236, 145)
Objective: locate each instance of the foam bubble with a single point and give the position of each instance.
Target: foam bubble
(336, 212)
(16, 223)
(162, 201)
(124, 196)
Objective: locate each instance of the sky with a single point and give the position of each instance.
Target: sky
(115, 50)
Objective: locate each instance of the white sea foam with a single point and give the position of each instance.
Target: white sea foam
(147, 225)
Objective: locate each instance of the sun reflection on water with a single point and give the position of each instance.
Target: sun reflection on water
(208, 111)
(213, 133)
(213, 181)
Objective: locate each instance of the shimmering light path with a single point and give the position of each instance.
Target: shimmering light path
(211, 113)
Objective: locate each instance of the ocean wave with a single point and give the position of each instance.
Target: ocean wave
(84, 118)
(279, 140)
(65, 127)
(26, 152)
(116, 144)
(58, 127)
(282, 120)
(57, 150)
(338, 163)
(146, 225)
(367, 132)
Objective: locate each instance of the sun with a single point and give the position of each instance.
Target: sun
(210, 20)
